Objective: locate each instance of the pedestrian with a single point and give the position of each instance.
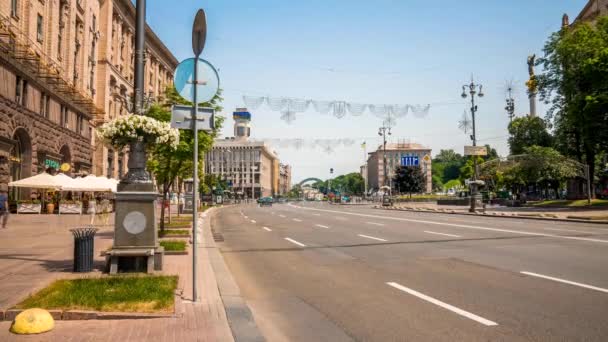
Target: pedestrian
(3, 206)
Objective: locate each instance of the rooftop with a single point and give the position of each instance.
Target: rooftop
(405, 146)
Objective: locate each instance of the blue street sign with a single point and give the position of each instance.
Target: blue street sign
(410, 161)
(208, 80)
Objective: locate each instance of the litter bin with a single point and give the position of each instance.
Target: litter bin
(83, 248)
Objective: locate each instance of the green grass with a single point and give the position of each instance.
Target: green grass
(110, 294)
(174, 245)
(178, 224)
(571, 203)
(174, 232)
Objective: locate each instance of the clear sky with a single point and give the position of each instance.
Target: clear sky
(377, 52)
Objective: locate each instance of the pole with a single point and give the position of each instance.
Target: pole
(588, 176)
(195, 180)
(384, 157)
(140, 42)
(474, 138)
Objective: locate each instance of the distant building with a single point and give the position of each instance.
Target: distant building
(251, 167)
(592, 10)
(284, 179)
(395, 153)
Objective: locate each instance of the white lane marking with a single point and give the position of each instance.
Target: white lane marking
(447, 306)
(246, 217)
(252, 221)
(591, 287)
(297, 220)
(569, 230)
(341, 218)
(267, 229)
(451, 235)
(295, 242)
(317, 214)
(463, 226)
(375, 224)
(371, 237)
(321, 226)
(283, 216)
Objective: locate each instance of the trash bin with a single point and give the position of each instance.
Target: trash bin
(84, 248)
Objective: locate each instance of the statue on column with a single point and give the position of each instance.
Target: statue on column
(532, 84)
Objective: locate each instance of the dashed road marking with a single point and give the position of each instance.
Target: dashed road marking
(376, 224)
(267, 229)
(371, 237)
(444, 234)
(283, 216)
(447, 306)
(591, 287)
(297, 220)
(253, 221)
(321, 226)
(295, 242)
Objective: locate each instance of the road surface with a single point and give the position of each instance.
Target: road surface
(319, 272)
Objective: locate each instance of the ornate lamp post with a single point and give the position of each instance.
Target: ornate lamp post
(383, 131)
(473, 89)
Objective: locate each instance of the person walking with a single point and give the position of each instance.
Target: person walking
(3, 206)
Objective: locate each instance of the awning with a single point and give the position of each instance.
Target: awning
(39, 181)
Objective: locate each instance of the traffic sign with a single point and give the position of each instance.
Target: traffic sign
(475, 151)
(199, 32)
(207, 85)
(181, 118)
(410, 161)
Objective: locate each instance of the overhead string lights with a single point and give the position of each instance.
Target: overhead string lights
(289, 107)
(326, 145)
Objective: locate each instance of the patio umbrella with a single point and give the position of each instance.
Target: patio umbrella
(39, 181)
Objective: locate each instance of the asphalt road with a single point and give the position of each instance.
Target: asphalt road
(316, 272)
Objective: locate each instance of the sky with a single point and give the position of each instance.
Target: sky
(380, 52)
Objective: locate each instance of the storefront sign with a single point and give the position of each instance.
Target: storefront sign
(475, 151)
(51, 163)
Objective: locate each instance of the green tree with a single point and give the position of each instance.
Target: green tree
(528, 131)
(409, 179)
(168, 165)
(447, 164)
(575, 82)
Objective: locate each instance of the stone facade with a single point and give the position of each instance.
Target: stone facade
(66, 66)
(592, 10)
(394, 153)
(284, 179)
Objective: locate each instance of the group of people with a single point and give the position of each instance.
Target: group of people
(3, 207)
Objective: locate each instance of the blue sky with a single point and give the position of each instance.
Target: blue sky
(394, 52)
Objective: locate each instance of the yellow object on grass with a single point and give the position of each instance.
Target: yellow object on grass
(33, 321)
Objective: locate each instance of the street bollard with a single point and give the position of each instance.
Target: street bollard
(84, 248)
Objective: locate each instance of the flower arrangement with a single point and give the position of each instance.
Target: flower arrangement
(128, 129)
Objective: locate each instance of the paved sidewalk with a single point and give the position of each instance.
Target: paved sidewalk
(560, 213)
(36, 249)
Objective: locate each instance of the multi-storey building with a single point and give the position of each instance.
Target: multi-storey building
(592, 10)
(115, 65)
(66, 67)
(284, 179)
(396, 155)
(251, 167)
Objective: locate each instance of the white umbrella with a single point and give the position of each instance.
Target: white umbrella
(66, 181)
(39, 181)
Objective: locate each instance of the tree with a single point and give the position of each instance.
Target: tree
(409, 179)
(575, 82)
(447, 164)
(528, 131)
(168, 165)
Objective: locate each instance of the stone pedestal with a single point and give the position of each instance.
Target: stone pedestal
(136, 246)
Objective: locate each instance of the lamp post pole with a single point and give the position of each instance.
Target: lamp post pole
(473, 89)
(383, 131)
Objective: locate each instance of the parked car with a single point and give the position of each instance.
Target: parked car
(265, 201)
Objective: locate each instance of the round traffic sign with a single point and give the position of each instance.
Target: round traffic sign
(208, 80)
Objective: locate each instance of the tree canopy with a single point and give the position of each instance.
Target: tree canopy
(409, 179)
(528, 131)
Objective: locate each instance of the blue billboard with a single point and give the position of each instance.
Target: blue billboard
(410, 161)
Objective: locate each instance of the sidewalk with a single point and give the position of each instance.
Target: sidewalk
(556, 213)
(37, 249)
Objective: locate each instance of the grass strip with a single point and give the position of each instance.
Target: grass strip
(173, 232)
(174, 245)
(145, 294)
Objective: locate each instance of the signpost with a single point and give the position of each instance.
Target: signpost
(475, 151)
(197, 81)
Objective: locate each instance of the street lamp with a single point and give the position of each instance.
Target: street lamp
(473, 89)
(383, 131)
(129, 103)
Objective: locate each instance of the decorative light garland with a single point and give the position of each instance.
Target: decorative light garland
(289, 107)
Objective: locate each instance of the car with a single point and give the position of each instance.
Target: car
(265, 201)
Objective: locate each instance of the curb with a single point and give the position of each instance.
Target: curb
(82, 315)
(240, 318)
(495, 214)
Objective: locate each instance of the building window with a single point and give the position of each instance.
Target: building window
(79, 123)
(18, 89)
(110, 170)
(39, 26)
(45, 103)
(63, 118)
(15, 8)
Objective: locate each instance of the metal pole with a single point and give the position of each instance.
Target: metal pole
(195, 181)
(384, 157)
(140, 50)
(474, 138)
(588, 176)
